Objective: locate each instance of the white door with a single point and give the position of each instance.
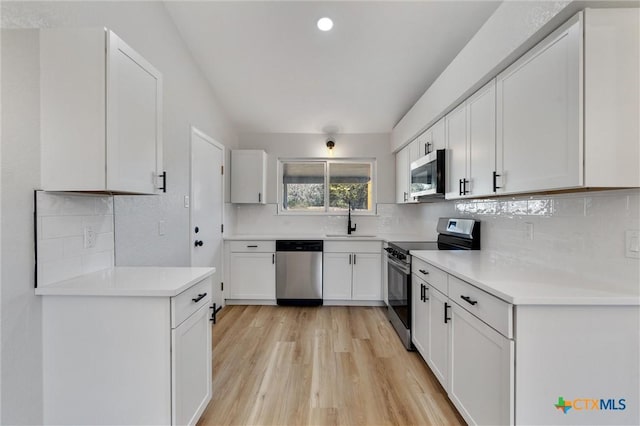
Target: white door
(207, 201)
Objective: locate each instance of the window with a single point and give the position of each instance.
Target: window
(326, 186)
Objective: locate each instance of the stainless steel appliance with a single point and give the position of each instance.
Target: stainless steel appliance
(299, 272)
(453, 234)
(428, 177)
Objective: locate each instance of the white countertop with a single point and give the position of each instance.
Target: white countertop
(130, 281)
(522, 283)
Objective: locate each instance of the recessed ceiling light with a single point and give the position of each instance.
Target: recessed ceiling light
(325, 24)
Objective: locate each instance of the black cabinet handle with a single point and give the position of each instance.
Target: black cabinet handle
(259, 197)
(163, 188)
(252, 246)
(495, 183)
(464, 186)
(349, 259)
(446, 308)
(425, 294)
(198, 243)
(459, 186)
(405, 197)
(468, 300)
(199, 298)
(273, 259)
(354, 258)
(423, 271)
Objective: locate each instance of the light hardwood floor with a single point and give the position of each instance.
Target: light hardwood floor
(329, 365)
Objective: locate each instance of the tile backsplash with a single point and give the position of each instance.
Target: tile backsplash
(62, 220)
(577, 232)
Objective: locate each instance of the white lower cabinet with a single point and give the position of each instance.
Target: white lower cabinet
(252, 272)
(438, 329)
(352, 272)
(127, 359)
(420, 315)
(481, 370)
(191, 367)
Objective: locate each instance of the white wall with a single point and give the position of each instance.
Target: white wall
(21, 374)
(188, 100)
(512, 29)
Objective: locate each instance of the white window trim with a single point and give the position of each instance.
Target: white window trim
(326, 161)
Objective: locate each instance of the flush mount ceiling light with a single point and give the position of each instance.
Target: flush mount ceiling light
(325, 24)
(330, 144)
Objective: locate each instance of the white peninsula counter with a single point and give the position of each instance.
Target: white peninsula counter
(127, 345)
(516, 343)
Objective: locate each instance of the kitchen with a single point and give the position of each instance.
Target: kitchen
(567, 231)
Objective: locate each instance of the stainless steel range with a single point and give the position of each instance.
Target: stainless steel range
(453, 234)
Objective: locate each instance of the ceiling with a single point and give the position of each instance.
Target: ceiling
(275, 72)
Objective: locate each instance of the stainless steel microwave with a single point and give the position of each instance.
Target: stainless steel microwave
(428, 177)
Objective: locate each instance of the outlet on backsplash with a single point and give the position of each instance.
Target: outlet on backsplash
(528, 231)
(89, 237)
(632, 244)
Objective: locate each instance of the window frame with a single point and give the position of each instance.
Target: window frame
(326, 162)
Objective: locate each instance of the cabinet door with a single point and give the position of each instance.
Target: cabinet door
(191, 368)
(253, 276)
(248, 176)
(481, 147)
(367, 278)
(438, 360)
(539, 116)
(403, 172)
(336, 276)
(438, 136)
(456, 169)
(415, 149)
(134, 120)
(481, 359)
(420, 316)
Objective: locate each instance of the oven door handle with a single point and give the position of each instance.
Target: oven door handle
(404, 268)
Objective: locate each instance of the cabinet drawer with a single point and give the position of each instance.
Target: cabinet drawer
(430, 274)
(352, 246)
(189, 301)
(495, 312)
(253, 246)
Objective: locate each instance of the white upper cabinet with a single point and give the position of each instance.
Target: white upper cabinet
(471, 143)
(540, 115)
(433, 138)
(589, 67)
(403, 172)
(101, 114)
(248, 176)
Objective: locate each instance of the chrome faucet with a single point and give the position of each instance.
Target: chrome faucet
(349, 228)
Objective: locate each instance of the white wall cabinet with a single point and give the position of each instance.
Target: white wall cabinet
(433, 138)
(352, 272)
(403, 175)
(252, 271)
(127, 359)
(248, 176)
(101, 114)
(567, 110)
(471, 144)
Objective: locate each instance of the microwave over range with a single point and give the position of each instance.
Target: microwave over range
(428, 177)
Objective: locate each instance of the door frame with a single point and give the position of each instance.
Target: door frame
(193, 131)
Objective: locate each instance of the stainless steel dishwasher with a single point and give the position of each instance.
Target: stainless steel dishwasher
(299, 272)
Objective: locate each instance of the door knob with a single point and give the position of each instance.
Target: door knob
(198, 243)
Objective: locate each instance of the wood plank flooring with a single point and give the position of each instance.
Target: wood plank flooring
(278, 365)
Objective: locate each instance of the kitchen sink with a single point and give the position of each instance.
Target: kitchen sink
(349, 236)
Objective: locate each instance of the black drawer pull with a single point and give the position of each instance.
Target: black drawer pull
(252, 246)
(446, 309)
(423, 271)
(468, 300)
(199, 298)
